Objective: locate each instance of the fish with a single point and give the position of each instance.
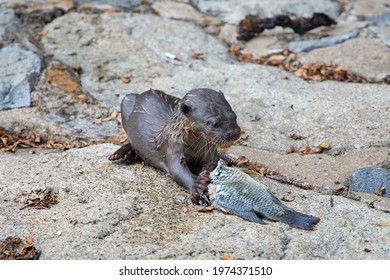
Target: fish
(233, 191)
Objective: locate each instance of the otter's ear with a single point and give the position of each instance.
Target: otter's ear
(185, 109)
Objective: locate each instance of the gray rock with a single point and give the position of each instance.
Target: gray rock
(383, 33)
(284, 103)
(370, 180)
(19, 69)
(182, 11)
(383, 18)
(115, 3)
(135, 212)
(104, 58)
(7, 17)
(234, 11)
(305, 46)
(8, 26)
(355, 55)
(373, 8)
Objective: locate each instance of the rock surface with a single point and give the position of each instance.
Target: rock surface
(95, 54)
(19, 69)
(305, 46)
(234, 11)
(135, 212)
(352, 55)
(371, 180)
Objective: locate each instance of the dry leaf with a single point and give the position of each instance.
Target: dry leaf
(125, 80)
(29, 240)
(325, 146)
(245, 57)
(50, 197)
(287, 199)
(13, 248)
(288, 61)
(206, 209)
(42, 33)
(116, 139)
(197, 56)
(290, 150)
(241, 160)
(227, 257)
(308, 150)
(339, 191)
(383, 224)
(114, 115)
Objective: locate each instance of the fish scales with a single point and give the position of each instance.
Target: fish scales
(239, 194)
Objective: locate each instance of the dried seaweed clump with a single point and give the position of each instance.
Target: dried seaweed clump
(288, 61)
(253, 25)
(30, 139)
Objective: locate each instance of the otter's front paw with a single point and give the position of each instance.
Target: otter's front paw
(125, 152)
(200, 189)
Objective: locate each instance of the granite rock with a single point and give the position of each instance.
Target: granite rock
(136, 212)
(354, 56)
(305, 46)
(371, 180)
(234, 11)
(19, 69)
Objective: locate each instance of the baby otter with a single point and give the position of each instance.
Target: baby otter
(180, 137)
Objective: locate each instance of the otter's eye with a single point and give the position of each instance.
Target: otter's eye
(215, 124)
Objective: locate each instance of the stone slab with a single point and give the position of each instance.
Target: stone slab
(355, 56)
(135, 212)
(19, 69)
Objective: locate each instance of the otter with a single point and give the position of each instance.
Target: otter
(178, 136)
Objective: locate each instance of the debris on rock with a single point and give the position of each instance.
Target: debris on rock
(319, 149)
(67, 79)
(206, 209)
(251, 168)
(13, 248)
(49, 197)
(383, 224)
(253, 25)
(287, 60)
(30, 139)
(116, 139)
(227, 257)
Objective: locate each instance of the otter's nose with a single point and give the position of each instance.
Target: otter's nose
(235, 134)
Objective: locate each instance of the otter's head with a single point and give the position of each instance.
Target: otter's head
(210, 114)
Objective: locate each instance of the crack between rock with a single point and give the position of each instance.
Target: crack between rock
(285, 242)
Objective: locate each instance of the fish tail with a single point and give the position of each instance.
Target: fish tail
(299, 220)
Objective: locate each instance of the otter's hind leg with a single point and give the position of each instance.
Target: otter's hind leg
(125, 152)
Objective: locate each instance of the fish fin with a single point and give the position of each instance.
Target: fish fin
(299, 220)
(238, 208)
(249, 216)
(278, 202)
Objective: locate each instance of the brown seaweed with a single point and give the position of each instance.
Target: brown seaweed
(253, 25)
